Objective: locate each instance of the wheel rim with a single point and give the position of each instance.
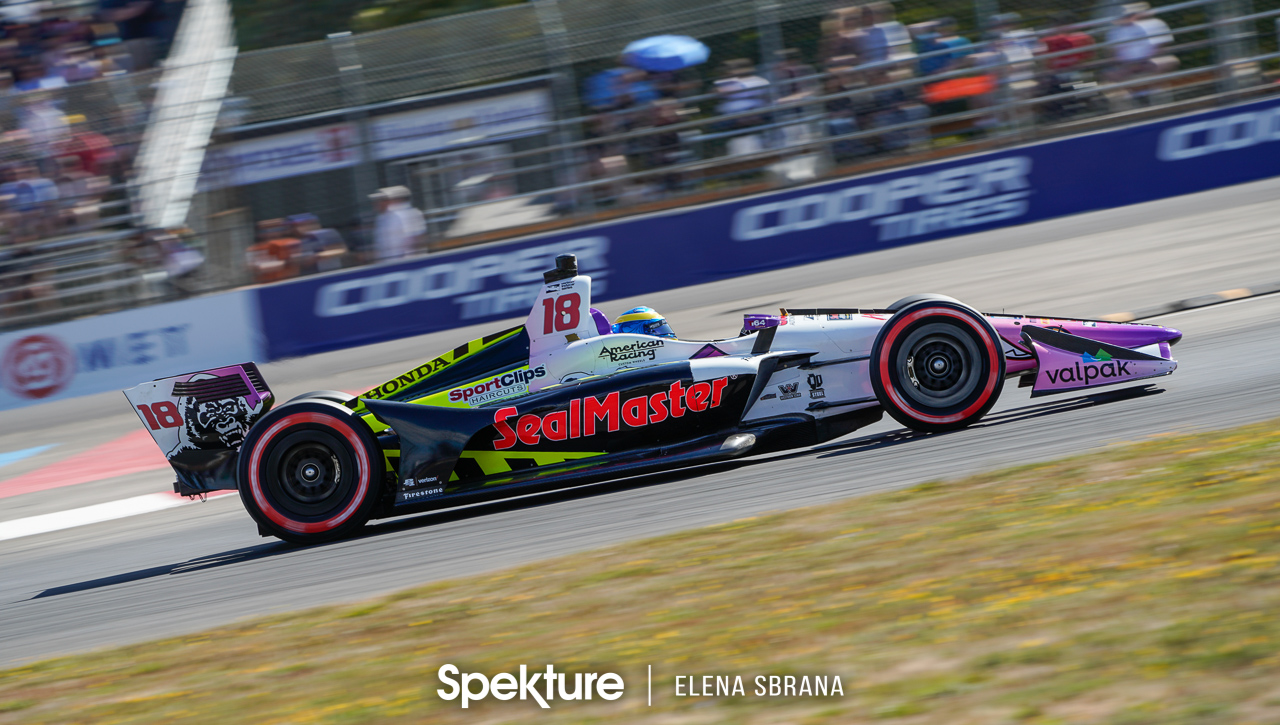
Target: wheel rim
(310, 473)
(939, 365)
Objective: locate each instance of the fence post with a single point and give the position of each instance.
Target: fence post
(351, 78)
(1003, 110)
(1231, 42)
(767, 25)
(1106, 10)
(985, 10)
(769, 46)
(564, 93)
(792, 167)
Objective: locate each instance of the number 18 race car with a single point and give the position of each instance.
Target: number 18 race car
(564, 400)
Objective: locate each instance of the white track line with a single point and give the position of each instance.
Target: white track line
(97, 513)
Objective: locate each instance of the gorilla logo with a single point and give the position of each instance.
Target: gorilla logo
(213, 424)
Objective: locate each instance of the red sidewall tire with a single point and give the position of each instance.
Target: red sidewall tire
(912, 299)
(888, 382)
(356, 493)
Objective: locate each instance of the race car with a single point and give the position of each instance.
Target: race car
(565, 399)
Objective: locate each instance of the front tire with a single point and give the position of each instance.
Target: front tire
(310, 471)
(937, 365)
(911, 299)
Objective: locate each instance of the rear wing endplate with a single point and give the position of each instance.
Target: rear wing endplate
(200, 419)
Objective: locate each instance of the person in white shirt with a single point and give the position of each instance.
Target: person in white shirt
(741, 90)
(400, 228)
(1129, 39)
(1157, 30)
(885, 39)
(45, 123)
(1139, 38)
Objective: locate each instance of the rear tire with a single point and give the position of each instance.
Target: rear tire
(335, 396)
(937, 365)
(310, 471)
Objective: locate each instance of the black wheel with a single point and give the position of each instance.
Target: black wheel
(937, 365)
(310, 471)
(911, 299)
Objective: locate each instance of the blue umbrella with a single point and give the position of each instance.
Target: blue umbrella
(665, 52)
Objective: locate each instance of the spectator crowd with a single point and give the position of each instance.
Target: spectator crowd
(300, 244)
(46, 45)
(62, 174)
(876, 87)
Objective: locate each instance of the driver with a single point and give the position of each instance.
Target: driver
(643, 321)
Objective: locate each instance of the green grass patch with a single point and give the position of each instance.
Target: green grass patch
(1133, 585)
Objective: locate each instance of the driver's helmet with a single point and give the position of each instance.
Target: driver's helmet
(643, 321)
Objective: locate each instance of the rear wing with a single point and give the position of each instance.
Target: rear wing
(200, 419)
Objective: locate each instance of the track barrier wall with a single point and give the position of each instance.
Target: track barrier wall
(121, 349)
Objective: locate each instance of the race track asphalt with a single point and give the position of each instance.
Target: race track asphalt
(185, 569)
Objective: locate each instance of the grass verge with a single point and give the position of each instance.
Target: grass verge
(1133, 585)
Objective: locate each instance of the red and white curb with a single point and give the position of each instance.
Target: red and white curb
(97, 513)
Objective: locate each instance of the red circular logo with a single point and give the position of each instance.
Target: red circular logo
(37, 366)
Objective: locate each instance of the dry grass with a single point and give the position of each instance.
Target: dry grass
(1134, 585)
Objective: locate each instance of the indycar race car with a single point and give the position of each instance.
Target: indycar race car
(564, 400)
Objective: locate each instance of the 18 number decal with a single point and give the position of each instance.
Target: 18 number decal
(161, 415)
(561, 314)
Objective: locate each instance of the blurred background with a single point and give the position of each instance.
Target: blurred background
(156, 149)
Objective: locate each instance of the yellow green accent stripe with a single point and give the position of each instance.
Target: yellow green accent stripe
(495, 462)
(428, 369)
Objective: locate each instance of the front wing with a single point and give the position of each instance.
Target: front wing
(1067, 362)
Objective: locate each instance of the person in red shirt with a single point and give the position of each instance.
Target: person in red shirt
(97, 153)
(1069, 72)
(1065, 38)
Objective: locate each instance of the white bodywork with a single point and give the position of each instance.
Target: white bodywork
(835, 379)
